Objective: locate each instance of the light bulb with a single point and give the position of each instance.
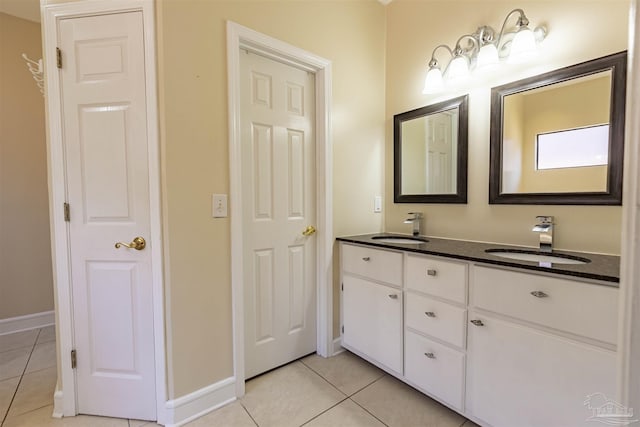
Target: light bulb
(433, 83)
(523, 44)
(458, 67)
(487, 56)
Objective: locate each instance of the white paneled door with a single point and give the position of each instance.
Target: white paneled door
(441, 158)
(279, 212)
(107, 179)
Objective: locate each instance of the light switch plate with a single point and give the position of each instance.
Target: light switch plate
(377, 204)
(219, 205)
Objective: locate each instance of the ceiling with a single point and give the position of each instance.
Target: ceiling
(25, 9)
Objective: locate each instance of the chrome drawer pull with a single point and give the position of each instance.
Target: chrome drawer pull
(430, 314)
(477, 322)
(430, 355)
(431, 272)
(393, 296)
(539, 294)
(366, 258)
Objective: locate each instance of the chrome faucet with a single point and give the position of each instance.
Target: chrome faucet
(415, 220)
(545, 228)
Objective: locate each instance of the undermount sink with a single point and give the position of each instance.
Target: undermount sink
(536, 256)
(405, 240)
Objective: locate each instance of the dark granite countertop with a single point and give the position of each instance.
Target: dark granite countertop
(601, 267)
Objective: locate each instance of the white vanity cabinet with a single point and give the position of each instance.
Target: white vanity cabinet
(372, 305)
(538, 346)
(504, 346)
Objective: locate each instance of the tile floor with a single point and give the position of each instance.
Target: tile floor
(342, 391)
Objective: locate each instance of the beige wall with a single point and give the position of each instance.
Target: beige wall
(414, 28)
(565, 107)
(26, 281)
(193, 91)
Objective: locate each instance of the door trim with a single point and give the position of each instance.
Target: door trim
(65, 396)
(246, 38)
(628, 329)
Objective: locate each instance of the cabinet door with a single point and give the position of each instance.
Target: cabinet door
(372, 321)
(518, 376)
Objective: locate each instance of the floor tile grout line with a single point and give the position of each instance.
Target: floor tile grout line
(15, 392)
(368, 384)
(326, 410)
(358, 390)
(365, 409)
(347, 397)
(325, 380)
(248, 413)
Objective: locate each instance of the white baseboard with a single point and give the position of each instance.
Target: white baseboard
(337, 346)
(194, 405)
(58, 404)
(25, 323)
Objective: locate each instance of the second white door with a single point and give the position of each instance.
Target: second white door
(279, 212)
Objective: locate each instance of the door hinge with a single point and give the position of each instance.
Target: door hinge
(67, 212)
(342, 286)
(74, 359)
(343, 329)
(58, 57)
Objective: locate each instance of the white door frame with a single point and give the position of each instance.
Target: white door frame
(243, 37)
(628, 326)
(65, 395)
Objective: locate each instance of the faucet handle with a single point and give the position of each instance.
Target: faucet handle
(545, 219)
(417, 215)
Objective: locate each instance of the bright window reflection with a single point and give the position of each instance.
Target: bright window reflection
(573, 148)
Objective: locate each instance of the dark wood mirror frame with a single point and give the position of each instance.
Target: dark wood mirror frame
(460, 196)
(617, 63)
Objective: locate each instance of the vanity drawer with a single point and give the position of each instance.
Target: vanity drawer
(580, 308)
(436, 318)
(381, 265)
(434, 276)
(435, 368)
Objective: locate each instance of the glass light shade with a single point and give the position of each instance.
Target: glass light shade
(487, 56)
(523, 44)
(458, 68)
(433, 83)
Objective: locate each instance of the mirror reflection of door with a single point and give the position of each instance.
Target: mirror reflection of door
(429, 154)
(441, 132)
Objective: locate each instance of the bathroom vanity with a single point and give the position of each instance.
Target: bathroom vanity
(504, 342)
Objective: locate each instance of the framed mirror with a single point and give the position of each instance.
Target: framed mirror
(430, 153)
(558, 138)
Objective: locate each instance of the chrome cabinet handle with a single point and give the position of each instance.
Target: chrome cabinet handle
(431, 272)
(539, 294)
(430, 355)
(138, 244)
(393, 296)
(366, 258)
(477, 322)
(430, 314)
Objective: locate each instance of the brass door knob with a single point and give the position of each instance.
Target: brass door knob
(309, 231)
(138, 244)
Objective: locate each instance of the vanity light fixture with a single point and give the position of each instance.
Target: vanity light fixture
(484, 49)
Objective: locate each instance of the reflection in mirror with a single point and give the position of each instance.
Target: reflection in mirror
(430, 153)
(557, 138)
